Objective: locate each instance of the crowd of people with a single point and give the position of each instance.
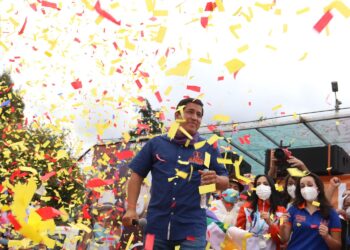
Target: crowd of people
(296, 216)
(293, 212)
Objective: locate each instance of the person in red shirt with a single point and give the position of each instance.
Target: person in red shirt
(260, 215)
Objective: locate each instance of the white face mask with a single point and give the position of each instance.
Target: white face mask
(309, 193)
(347, 211)
(291, 191)
(263, 192)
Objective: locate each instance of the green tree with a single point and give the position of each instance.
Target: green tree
(150, 122)
(37, 151)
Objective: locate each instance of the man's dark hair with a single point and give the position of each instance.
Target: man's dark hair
(185, 101)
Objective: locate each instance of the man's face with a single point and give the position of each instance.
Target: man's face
(193, 117)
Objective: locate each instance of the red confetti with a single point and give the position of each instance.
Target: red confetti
(211, 127)
(126, 154)
(139, 84)
(159, 98)
(23, 27)
(244, 139)
(14, 221)
(323, 22)
(210, 6)
(86, 214)
(194, 88)
(204, 22)
(49, 4)
(33, 6)
(220, 78)
(47, 213)
(191, 238)
(77, 84)
(115, 45)
(137, 67)
(47, 176)
(105, 14)
(149, 242)
(1, 188)
(97, 182)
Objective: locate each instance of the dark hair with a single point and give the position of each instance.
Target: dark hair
(325, 206)
(273, 198)
(286, 197)
(188, 100)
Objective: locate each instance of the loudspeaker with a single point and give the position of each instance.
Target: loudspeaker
(317, 160)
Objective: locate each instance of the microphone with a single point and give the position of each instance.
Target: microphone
(140, 222)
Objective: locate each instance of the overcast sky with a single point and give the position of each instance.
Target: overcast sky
(288, 65)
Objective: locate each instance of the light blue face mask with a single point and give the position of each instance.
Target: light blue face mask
(230, 195)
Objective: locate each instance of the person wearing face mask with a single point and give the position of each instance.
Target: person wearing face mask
(344, 215)
(289, 191)
(260, 215)
(224, 208)
(311, 222)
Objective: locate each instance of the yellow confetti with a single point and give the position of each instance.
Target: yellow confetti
(234, 65)
(302, 11)
(161, 34)
(296, 172)
(270, 47)
(303, 57)
(173, 130)
(205, 60)
(29, 169)
(224, 161)
(203, 189)
(183, 162)
(199, 145)
(48, 54)
(207, 159)
(264, 6)
(340, 7)
(221, 118)
(131, 238)
(220, 5)
(181, 69)
(285, 28)
(213, 139)
(160, 13)
(236, 164)
(315, 203)
(150, 5)
(243, 48)
(277, 107)
(128, 44)
(183, 131)
(233, 29)
(181, 174)
(168, 90)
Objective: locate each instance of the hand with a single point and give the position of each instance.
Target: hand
(296, 163)
(208, 177)
(346, 193)
(323, 230)
(284, 219)
(335, 182)
(129, 216)
(266, 217)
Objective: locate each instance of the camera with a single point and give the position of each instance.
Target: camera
(282, 155)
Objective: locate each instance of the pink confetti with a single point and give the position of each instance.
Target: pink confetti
(323, 22)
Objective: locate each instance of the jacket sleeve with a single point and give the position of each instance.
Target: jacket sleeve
(241, 218)
(274, 229)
